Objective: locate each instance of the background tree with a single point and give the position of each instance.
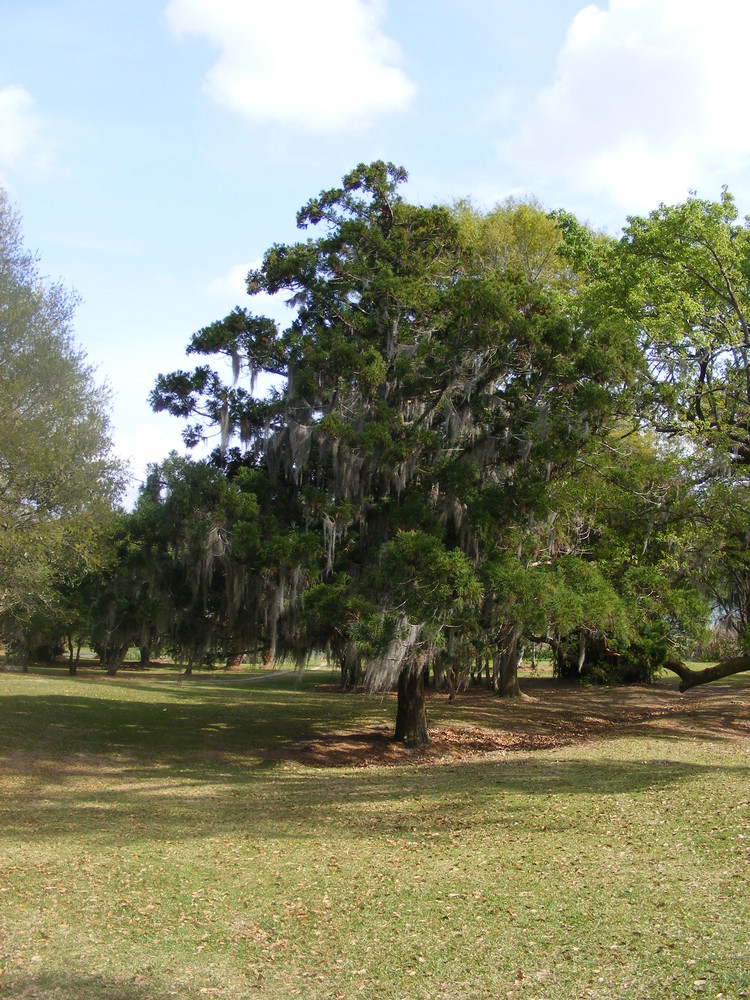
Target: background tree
(681, 278)
(576, 397)
(227, 556)
(58, 479)
(626, 520)
(518, 237)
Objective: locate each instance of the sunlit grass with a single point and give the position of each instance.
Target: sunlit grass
(149, 848)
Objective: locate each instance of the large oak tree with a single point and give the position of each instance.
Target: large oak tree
(431, 395)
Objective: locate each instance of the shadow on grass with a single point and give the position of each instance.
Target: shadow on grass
(182, 726)
(142, 802)
(95, 758)
(195, 723)
(61, 983)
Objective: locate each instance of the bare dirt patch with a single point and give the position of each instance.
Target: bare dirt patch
(552, 716)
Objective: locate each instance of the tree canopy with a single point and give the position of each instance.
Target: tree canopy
(58, 479)
(678, 278)
(489, 430)
(433, 394)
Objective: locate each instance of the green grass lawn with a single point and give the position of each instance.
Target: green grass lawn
(151, 847)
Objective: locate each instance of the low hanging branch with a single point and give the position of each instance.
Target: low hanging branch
(691, 678)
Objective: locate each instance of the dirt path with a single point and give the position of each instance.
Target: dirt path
(226, 678)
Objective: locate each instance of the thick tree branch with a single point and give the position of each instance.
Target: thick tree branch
(691, 678)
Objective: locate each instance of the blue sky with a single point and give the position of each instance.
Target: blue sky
(155, 149)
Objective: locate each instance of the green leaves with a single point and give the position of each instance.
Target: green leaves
(429, 581)
(444, 369)
(58, 479)
(684, 281)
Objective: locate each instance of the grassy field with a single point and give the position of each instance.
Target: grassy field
(212, 837)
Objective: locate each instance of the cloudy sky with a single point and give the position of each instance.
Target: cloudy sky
(155, 149)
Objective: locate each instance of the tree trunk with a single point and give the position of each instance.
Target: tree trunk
(72, 659)
(351, 666)
(691, 678)
(117, 659)
(497, 667)
(508, 682)
(452, 676)
(236, 653)
(411, 713)
(440, 674)
(508, 679)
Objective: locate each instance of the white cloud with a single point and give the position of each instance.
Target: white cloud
(19, 127)
(233, 284)
(649, 100)
(231, 290)
(323, 65)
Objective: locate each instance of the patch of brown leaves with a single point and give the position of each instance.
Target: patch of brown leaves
(552, 716)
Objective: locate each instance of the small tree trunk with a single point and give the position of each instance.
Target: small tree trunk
(115, 660)
(452, 676)
(497, 668)
(72, 659)
(441, 674)
(476, 670)
(581, 651)
(411, 712)
(558, 660)
(351, 666)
